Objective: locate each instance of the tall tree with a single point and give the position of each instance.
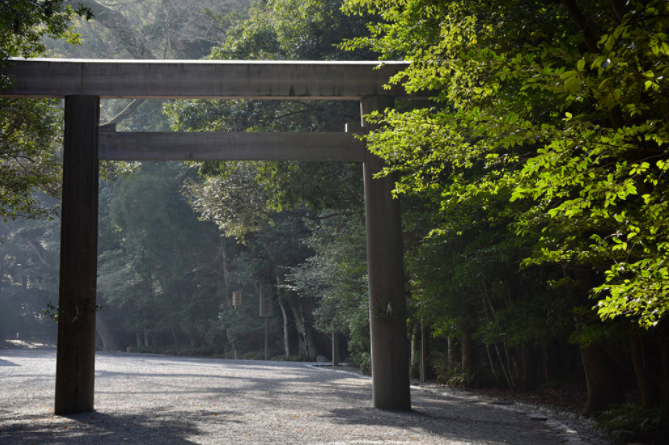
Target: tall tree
(560, 107)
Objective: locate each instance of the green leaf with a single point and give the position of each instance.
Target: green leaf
(573, 84)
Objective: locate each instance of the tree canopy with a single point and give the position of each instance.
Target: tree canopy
(565, 115)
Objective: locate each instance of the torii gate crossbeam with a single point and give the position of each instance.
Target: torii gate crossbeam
(83, 82)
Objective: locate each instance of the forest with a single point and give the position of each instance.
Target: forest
(532, 185)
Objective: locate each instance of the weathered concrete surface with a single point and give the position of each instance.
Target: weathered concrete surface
(203, 79)
(230, 146)
(145, 399)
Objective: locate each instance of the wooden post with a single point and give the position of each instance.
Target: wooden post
(75, 365)
(387, 304)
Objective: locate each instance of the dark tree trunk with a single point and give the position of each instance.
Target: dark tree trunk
(106, 333)
(467, 353)
(604, 385)
(664, 344)
(225, 266)
(505, 370)
(424, 354)
(303, 343)
(451, 354)
(639, 370)
(602, 374)
(415, 351)
(286, 329)
(545, 364)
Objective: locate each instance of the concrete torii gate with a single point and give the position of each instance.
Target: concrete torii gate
(84, 82)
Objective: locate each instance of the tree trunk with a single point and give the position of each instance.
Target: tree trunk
(303, 344)
(639, 370)
(286, 330)
(146, 338)
(109, 342)
(492, 362)
(415, 352)
(604, 385)
(194, 340)
(545, 364)
(529, 378)
(423, 351)
(512, 367)
(603, 382)
(467, 353)
(664, 344)
(505, 371)
(450, 359)
(223, 249)
(307, 309)
(311, 342)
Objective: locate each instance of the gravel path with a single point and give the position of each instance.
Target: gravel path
(151, 399)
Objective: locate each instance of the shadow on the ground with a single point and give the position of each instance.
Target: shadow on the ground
(7, 363)
(453, 420)
(94, 427)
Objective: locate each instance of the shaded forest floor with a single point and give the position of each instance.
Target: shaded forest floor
(570, 399)
(567, 398)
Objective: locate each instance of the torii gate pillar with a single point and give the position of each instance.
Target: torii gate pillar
(75, 364)
(387, 304)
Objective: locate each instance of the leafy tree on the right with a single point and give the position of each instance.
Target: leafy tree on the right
(552, 116)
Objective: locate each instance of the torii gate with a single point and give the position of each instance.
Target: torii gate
(84, 82)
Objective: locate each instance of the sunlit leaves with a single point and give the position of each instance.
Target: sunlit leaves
(576, 140)
(30, 138)
(23, 23)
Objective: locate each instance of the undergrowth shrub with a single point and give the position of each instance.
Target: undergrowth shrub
(478, 377)
(629, 422)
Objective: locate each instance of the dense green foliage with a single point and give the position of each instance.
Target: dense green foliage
(30, 134)
(572, 128)
(23, 24)
(30, 130)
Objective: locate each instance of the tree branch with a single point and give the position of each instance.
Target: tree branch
(127, 111)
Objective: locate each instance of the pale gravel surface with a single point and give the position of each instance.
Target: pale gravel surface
(152, 399)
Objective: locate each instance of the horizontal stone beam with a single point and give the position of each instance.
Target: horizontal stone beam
(121, 146)
(201, 79)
